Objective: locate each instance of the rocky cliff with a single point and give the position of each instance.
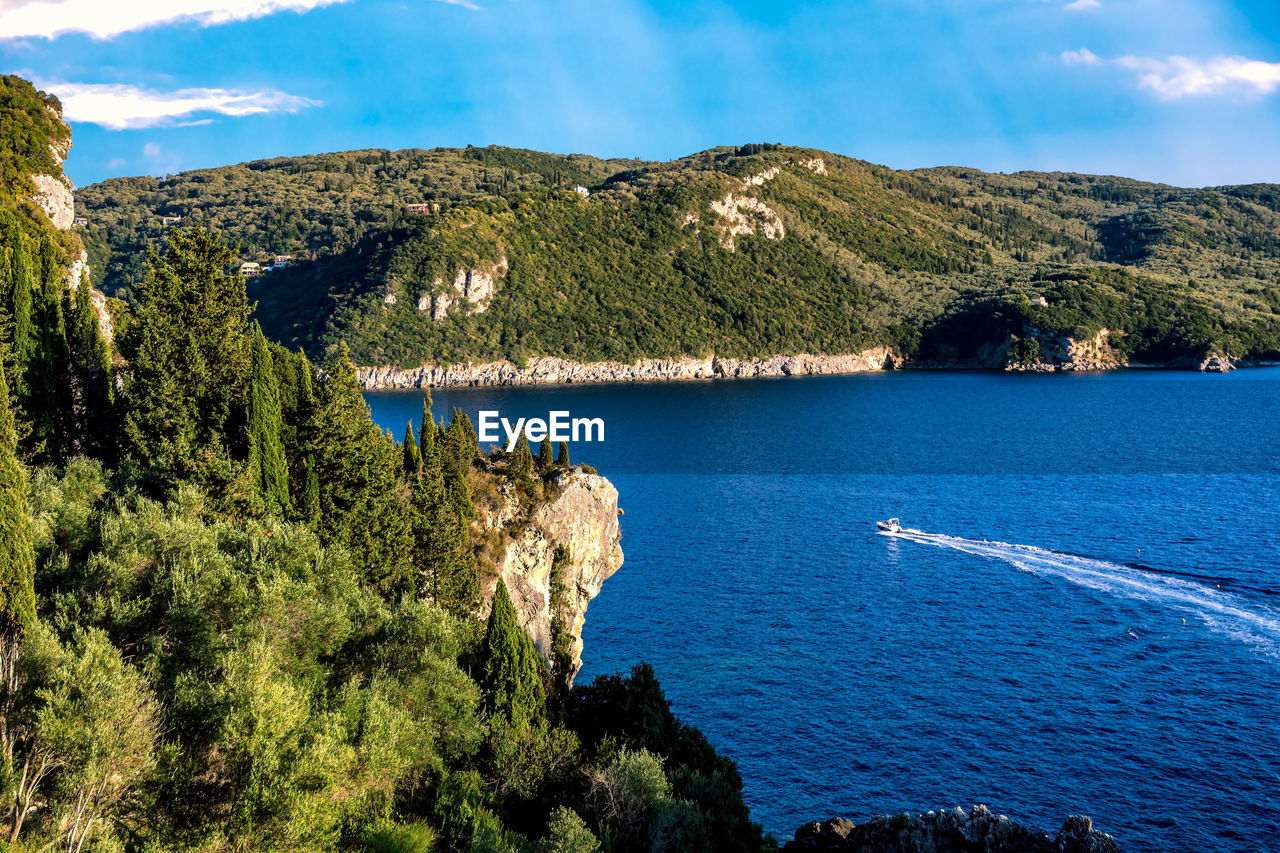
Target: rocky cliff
(551, 370)
(582, 516)
(977, 831)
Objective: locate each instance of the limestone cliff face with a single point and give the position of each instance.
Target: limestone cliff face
(582, 516)
(471, 292)
(53, 194)
(550, 370)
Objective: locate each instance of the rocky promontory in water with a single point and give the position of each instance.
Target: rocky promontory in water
(978, 831)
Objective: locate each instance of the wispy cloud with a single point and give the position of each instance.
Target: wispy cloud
(466, 4)
(103, 19)
(1177, 77)
(122, 107)
(1076, 5)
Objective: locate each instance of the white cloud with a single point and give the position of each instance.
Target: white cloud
(121, 107)
(107, 18)
(1182, 77)
(1177, 77)
(1083, 56)
(466, 4)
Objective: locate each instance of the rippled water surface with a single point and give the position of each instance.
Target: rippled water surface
(1082, 616)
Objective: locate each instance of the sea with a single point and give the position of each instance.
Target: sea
(1081, 615)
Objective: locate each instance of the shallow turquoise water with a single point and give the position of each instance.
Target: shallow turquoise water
(1026, 649)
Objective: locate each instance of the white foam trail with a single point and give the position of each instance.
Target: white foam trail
(1221, 611)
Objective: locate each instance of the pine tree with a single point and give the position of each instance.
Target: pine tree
(512, 685)
(267, 464)
(563, 458)
(545, 460)
(412, 458)
(17, 562)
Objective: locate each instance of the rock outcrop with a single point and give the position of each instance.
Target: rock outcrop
(582, 516)
(955, 831)
(53, 195)
(1217, 364)
(1061, 353)
(472, 291)
(815, 164)
(551, 370)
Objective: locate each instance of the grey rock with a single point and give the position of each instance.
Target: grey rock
(954, 831)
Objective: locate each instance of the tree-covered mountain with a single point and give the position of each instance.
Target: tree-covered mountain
(752, 251)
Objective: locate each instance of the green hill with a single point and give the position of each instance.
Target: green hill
(753, 251)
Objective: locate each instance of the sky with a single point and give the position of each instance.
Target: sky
(1183, 92)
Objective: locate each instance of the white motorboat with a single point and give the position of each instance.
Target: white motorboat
(890, 526)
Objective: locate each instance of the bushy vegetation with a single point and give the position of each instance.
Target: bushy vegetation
(929, 262)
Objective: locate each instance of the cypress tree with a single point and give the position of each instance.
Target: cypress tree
(544, 455)
(50, 404)
(17, 556)
(412, 458)
(24, 330)
(563, 458)
(188, 352)
(357, 474)
(442, 511)
(520, 463)
(6, 304)
(91, 387)
(301, 450)
(460, 444)
(428, 436)
(310, 504)
(267, 464)
(512, 684)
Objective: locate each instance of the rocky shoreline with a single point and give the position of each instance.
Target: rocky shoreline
(977, 831)
(550, 370)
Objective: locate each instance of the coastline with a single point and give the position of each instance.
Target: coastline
(551, 370)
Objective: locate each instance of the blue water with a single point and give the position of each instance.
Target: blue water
(1022, 645)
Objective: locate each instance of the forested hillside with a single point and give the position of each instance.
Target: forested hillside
(235, 615)
(753, 251)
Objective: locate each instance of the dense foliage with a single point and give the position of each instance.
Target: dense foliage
(31, 129)
(235, 615)
(932, 262)
(323, 204)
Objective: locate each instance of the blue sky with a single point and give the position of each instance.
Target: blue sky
(1180, 91)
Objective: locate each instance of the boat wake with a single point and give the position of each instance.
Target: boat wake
(1220, 610)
